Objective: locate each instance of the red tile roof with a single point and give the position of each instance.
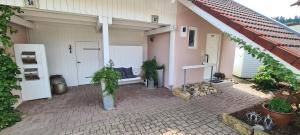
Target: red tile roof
(269, 34)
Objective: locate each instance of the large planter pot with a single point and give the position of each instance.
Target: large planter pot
(160, 81)
(150, 84)
(280, 119)
(108, 100)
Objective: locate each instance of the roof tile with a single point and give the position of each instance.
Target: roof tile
(267, 33)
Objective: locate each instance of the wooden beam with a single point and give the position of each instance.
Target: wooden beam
(160, 30)
(50, 20)
(135, 24)
(20, 21)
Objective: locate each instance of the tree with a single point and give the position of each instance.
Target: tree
(287, 21)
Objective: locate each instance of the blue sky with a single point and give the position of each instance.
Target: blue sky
(273, 8)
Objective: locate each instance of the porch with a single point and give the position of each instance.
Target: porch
(139, 111)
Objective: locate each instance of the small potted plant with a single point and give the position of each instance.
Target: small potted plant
(150, 72)
(108, 78)
(280, 110)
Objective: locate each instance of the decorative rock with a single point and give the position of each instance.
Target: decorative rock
(195, 90)
(285, 93)
(182, 94)
(241, 127)
(259, 132)
(238, 125)
(258, 127)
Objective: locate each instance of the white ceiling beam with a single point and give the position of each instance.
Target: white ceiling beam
(43, 19)
(130, 27)
(135, 23)
(160, 30)
(55, 15)
(20, 21)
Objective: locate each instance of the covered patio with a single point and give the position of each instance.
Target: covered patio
(139, 111)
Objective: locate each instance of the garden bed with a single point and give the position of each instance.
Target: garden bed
(240, 123)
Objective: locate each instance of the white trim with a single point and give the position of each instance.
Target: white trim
(20, 21)
(134, 23)
(160, 30)
(105, 40)
(225, 28)
(172, 58)
(195, 37)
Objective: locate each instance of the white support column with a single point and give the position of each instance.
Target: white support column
(172, 58)
(105, 39)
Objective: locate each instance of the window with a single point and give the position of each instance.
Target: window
(193, 37)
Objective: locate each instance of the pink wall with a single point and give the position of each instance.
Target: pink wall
(227, 56)
(159, 47)
(21, 36)
(185, 56)
(18, 38)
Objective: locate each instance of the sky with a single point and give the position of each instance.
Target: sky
(273, 8)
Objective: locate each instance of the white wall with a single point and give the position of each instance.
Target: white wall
(58, 37)
(245, 66)
(140, 10)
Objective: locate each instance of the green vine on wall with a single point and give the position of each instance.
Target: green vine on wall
(8, 70)
(6, 13)
(276, 69)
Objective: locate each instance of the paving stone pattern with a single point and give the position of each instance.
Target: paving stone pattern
(139, 111)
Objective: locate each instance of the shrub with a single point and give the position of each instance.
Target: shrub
(149, 70)
(277, 71)
(280, 105)
(8, 70)
(8, 82)
(110, 78)
(265, 80)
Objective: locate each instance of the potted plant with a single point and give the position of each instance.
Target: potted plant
(280, 110)
(108, 78)
(150, 72)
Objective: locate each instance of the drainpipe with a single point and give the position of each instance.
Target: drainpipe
(172, 58)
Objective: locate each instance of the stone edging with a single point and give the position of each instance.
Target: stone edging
(241, 127)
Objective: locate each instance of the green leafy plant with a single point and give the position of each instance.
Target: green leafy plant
(264, 79)
(8, 70)
(5, 28)
(110, 78)
(279, 72)
(150, 70)
(280, 105)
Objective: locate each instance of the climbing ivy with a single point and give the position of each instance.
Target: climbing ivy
(8, 70)
(275, 70)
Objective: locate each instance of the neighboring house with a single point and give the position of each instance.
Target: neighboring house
(180, 33)
(245, 66)
(295, 26)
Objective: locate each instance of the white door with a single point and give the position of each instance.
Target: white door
(213, 52)
(87, 56)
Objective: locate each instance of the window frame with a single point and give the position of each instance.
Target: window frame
(195, 29)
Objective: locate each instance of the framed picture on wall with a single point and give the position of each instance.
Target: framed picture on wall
(31, 3)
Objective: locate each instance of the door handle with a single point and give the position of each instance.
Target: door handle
(78, 62)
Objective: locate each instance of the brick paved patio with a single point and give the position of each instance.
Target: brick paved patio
(139, 111)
